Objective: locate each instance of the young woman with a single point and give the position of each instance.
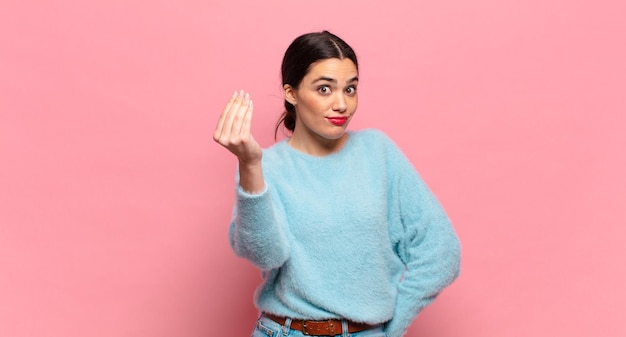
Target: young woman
(349, 238)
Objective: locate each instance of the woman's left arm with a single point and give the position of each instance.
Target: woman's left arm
(429, 248)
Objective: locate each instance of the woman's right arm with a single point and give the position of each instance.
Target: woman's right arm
(257, 231)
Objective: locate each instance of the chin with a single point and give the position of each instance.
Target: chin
(334, 135)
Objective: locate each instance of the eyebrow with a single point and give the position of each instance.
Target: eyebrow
(330, 79)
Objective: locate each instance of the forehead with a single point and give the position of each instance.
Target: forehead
(340, 69)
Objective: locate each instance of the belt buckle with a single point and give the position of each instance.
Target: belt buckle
(331, 329)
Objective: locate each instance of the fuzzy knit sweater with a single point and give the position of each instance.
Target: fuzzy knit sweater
(356, 234)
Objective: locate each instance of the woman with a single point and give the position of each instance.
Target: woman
(348, 237)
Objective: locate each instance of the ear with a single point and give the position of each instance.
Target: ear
(290, 94)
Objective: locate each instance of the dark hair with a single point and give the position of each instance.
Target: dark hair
(301, 53)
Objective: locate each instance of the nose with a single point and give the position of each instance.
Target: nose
(340, 104)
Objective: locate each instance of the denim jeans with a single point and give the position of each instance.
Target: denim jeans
(265, 327)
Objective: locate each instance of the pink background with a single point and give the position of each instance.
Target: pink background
(114, 200)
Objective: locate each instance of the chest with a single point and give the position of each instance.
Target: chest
(333, 202)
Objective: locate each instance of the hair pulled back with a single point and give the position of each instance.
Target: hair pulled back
(300, 55)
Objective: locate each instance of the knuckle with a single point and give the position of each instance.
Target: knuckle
(236, 140)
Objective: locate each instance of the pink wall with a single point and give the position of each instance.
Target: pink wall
(114, 201)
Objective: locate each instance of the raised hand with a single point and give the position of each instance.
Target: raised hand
(233, 129)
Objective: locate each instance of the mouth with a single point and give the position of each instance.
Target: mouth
(338, 120)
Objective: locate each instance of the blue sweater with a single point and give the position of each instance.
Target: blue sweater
(356, 234)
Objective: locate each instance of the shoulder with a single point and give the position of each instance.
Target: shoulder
(380, 146)
(374, 139)
(276, 149)
(371, 135)
(273, 155)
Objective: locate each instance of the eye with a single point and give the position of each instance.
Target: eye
(351, 90)
(323, 89)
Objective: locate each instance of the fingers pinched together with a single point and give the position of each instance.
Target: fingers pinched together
(233, 128)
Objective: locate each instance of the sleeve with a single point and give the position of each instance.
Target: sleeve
(256, 231)
(428, 245)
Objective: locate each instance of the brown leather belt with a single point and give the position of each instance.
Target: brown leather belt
(331, 327)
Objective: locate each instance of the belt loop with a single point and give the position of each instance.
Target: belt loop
(287, 326)
(344, 328)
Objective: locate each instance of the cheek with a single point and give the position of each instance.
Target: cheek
(354, 102)
(314, 105)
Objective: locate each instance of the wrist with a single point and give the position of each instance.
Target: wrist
(251, 176)
(249, 164)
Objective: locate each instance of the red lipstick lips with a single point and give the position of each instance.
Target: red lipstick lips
(338, 120)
